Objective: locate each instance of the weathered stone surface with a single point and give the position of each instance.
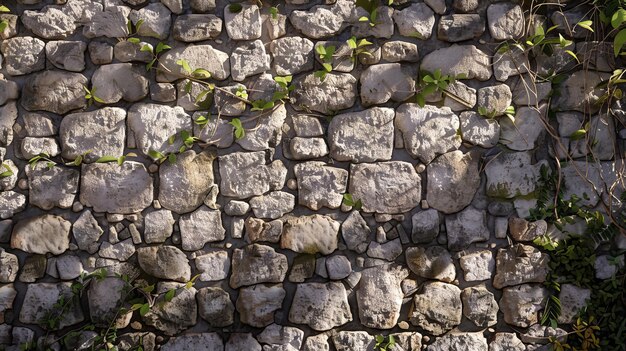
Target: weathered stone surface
(175, 315)
(67, 55)
(87, 232)
(282, 338)
(466, 227)
(108, 187)
(166, 262)
(118, 81)
(156, 19)
(257, 304)
(452, 180)
(23, 55)
(322, 21)
(353, 340)
(198, 56)
(320, 185)
(111, 23)
(249, 59)
(379, 296)
(368, 183)
(355, 232)
(196, 27)
(101, 132)
(259, 230)
(242, 342)
(158, 226)
(246, 174)
(364, 136)
(213, 266)
(310, 234)
(478, 130)
(51, 186)
(506, 21)
(519, 264)
(244, 24)
(120, 251)
(459, 342)
(263, 133)
(322, 306)
(198, 342)
(185, 184)
(507, 342)
(42, 234)
(9, 182)
(215, 307)
(459, 27)
(54, 91)
(527, 131)
(493, 101)
(579, 92)
(40, 299)
(8, 115)
(9, 90)
(573, 301)
(7, 296)
(256, 264)
(8, 267)
(511, 174)
(292, 55)
(520, 304)
(336, 92)
(384, 82)
(106, 297)
(437, 308)
(480, 306)
(273, 205)
(478, 266)
(307, 148)
(459, 59)
(32, 147)
(425, 226)
(432, 262)
(416, 21)
(49, 23)
(152, 125)
(388, 251)
(200, 227)
(427, 131)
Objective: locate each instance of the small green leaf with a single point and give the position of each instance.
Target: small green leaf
(239, 130)
(4, 9)
(146, 48)
(321, 50)
(619, 41)
(171, 139)
(134, 40)
(352, 43)
(162, 47)
(327, 66)
(3, 25)
(169, 295)
(155, 155)
(138, 24)
(150, 64)
(572, 54)
(144, 309)
(421, 100)
(363, 19)
(586, 24)
(185, 65)
(274, 12)
(618, 18)
(577, 135)
(97, 99)
(235, 8)
(171, 158)
(6, 173)
(201, 73)
(120, 160)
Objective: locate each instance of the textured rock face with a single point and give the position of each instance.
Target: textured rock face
(248, 174)
(55, 91)
(437, 308)
(453, 180)
(320, 306)
(184, 185)
(152, 126)
(41, 235)
(310, 234)
(257, 264)
(380, 297)
(320, 185)
(459, 59)
(166, 262)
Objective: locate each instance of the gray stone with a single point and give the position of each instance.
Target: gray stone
(54, 91)
(196, 27)
(364, 136)
(8, 267)
(511, 174)
(353, 341)
(284, 338)
(341, 60)
(466, 227)
(41, 299)
(322, 21)
(336, 92)
(338, 267)
(465, 5)
(49, 23)
(213, 265)
(511, 62)
(9, 182)
(246, 174)
(7, 296)
(292, 55)
(93, 134)
(165, 262)
(506, 21)
(437, 308)
(202, 5)
(87, 232)
(42, 234)
(106, 297)
(519, 264)
(310, 234)
(242, 342)
(526, 131)
(236, 208)
(320, 185)
(185, 184)
(158, 226)
(573, 301)
(67, 55)
(200, 227)
(152, 126)
(379, 296)
(459, 27)
(215, 307)
(434, 262)
(163, 92)
(355, 232)
(197, 56)
(416, 21)
(459, 59)
(39, 125)
(388, 251)
(32, 147)
(118, 81)
(198, 342)
(307, 148)
(453, 179)
(156, 18)
(383, 27)
(478, 265)
(368, 184)
(439, 6)
(257, 304)
(506, 342)
(176, 315)
(425, 226)
(108, 187)
(126, 51)
(494, 100)
(321, 306)
(265, 133)
(244, 24)
(580, 92)
(427, 131)
(397, 51)
(459, 342)
(120, 251)
(273, 205)
(249, 59)
(480, 306)
(11, 203)
(8, 115)
(101, 53)
(256, 264)
(9, 90)
(520, 304)
(383, 82)
(51, 186)
(23, 55)
(478, 130)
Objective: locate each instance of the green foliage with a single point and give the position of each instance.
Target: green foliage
(274, 12)
(90, 95)
(42, 157)
(433, 83)
(358, 47)
(235, 8)
(509, 112)
(79, 159)
(385, 343)
(326, 55)
(161, 47)
(4, 23)
(8, 172)
(119, 159)
(240, 132)
(348, 200)
(281, 94)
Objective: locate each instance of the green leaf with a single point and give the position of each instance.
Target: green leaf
(235, 8)
(586, 24)
(3, 25)
(321, 74)
(150, 64)
(6, 173)
(327, 66)
(363, 19)
(155, 155)
(200, 97)
(618, 18)
(138, 24)
(572, 54)
(274, 12)
(352, 43)
(171, 158)
(129, 26)
(120, 160)
(239, 130)
(169, 295)
(619, 41)
(171, 139)
(185, 65)
(161, 47)
(144, 309)
(321, 50)
(134, 40)
(97, 99)
(146, 48)
(201, 73)
(421, 100)
(4, 9)
(577, 135)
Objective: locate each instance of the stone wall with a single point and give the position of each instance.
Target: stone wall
(431, 247)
